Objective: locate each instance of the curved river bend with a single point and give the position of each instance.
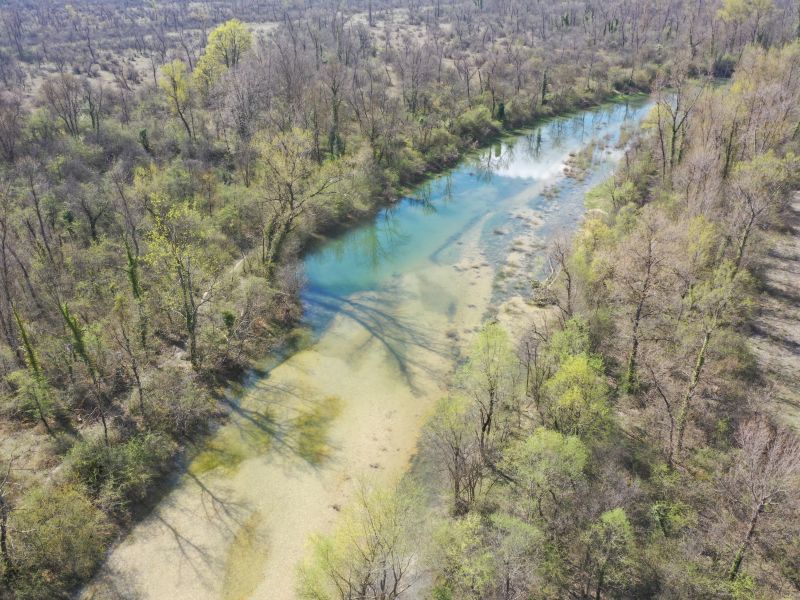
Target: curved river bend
(388, 305)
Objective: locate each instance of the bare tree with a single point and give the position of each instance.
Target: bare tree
(64, 96)
(676, 98)
(560, 254)
(449, 435)
(637, 277)
(11, 121)
(94, 97)
(372, 554)
(12, 19)
(768, 474)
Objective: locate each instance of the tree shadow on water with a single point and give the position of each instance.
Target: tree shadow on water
(279, 420)
(402, 338)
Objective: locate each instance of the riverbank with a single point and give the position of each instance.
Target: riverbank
(326, 231)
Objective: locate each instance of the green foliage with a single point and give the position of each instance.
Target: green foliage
(491, 361)
(31, 398)
(547, 460)
(703, 240)
(625, 219)
(175, 84)
(181, 235)
(570, 340)
(467, 565)
(609, 546)
(519, 549)
(477, 124)
(611, 195)
(370, 553)
(578, 397)
(587, 261)
(226, 45)
(724, 298)
(169, 185)
(30, 353)
(673, 518)
(190, 257)
(407, 165)
(490, 379)
(743, 588)
(739, 11)
(177, 403)
(450, 435)
(78, 339)
(440, 148)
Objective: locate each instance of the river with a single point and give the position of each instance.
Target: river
(388, 306)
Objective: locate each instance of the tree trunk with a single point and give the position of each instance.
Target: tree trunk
(189, 311)
(33, 367)
(737, 561)
(630, 373)
(687, 398)
(5, 554)
(743, 243)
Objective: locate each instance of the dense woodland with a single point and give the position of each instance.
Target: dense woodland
(164, 164)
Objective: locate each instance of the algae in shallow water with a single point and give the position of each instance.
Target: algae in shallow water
(234, 444)
(310, 429)
(244, 565)
(306, 434)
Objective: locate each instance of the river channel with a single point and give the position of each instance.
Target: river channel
(388, 307)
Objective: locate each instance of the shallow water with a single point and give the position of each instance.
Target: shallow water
(388, 305)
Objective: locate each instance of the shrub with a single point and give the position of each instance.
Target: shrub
(177, 404)
(477, 125)
(441, 148)
(520, 110)
(121, 474)
(571, 340)
(409, 164)
(30, 399)
(723, 65)
(60, 541)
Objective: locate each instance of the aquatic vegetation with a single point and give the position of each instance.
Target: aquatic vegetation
(309, 429)
(233, 445)
(247, 553)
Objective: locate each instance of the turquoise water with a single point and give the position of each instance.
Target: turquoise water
(523, 172)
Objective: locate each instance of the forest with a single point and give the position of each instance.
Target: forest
(165, 168)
